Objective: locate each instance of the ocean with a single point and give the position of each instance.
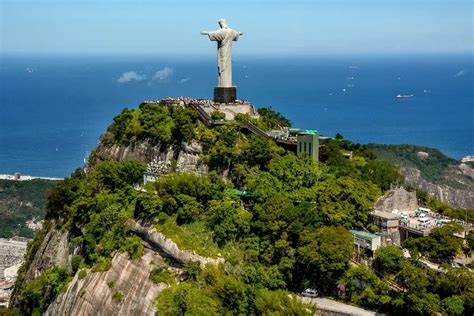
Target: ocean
(53, 108)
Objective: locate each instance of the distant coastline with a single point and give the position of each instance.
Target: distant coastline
(19, 177)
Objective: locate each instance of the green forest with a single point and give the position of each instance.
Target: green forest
(21, 201)
(289, 232)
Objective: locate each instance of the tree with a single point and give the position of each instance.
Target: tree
(345, 201)
(185, 299)
(382, 173)
(258, 151)
(324, 256)
(156, 122)
(439, 246)
(453, 305)
(270, 119)
(296, 172)
(281, 303)
(148, 205)
(189, 209)
(423, 304)
(413, 278)
(364, 288)
(263, 185)
(388, 259)
(228, 221)
(185, 120)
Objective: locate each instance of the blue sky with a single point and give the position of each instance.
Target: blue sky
(277, 27)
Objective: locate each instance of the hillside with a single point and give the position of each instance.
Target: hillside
(232, 223)
(428, 169)
(21, 201)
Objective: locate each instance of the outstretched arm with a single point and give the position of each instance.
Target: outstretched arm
(204, 33)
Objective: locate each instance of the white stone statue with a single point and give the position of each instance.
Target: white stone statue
(224, 37)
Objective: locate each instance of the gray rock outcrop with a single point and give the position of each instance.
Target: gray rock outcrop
(160, 158)
(169, 247)
(53, 251)
(446, 194)
(94, 294)
(397, 199)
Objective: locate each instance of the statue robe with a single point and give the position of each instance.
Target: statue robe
(224, 38)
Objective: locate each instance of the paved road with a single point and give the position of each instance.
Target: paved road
(335, 306)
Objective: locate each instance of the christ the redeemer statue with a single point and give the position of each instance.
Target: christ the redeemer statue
(225, 92)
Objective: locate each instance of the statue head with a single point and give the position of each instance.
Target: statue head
(223, 24)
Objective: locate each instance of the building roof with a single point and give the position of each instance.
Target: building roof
(385, 215)
(363, 234)
(242, 193)
(311, 131)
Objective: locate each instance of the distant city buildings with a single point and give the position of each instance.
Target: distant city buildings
(18, 177)
(12, 252)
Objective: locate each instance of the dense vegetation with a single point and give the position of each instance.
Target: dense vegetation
(152, 121)
(288, 233)
(21, 201)
(436, 167)
(439, 246)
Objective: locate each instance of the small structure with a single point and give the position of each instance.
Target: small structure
(385, 221)
(366, 240)
(308, 143)
(388, 225)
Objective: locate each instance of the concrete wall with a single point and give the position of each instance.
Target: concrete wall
(309, 143)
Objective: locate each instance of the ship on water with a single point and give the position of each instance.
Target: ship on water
(404, 96)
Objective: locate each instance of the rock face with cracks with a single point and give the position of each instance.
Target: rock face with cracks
(169, 248)
(94, 294)
(397, 199)
(160, 158)
(452, 196)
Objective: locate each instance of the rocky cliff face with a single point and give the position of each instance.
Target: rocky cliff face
(397, 199)
(161, 158)
(169, 248)
(446, 194)
(54, 250)
(96, 294)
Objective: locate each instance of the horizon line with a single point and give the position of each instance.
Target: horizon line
(242, 54)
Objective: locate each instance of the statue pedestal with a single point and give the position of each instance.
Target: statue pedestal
(225, 94)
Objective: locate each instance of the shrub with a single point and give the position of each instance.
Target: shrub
(118, 296)
(38, 293)
(76, 263)
(162, 275)
(82, 274)
(104, 264)
(217, 115)
(192, 268)
(133, 245)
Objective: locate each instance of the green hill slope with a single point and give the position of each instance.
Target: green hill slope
(21, 201)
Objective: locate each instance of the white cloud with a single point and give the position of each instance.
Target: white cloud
(130, 76)
(163, 73)
(184, 80)
(460, 73)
